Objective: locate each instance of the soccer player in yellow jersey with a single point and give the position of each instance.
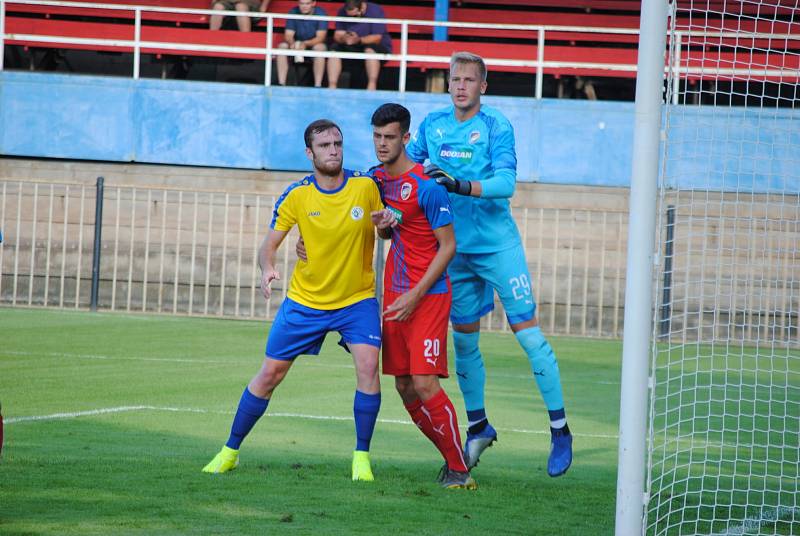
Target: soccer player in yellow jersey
(336, 211)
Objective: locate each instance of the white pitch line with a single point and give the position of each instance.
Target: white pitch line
(112, 358)
(123, 409)
(101, 411)
(237, 359)
(240, 359)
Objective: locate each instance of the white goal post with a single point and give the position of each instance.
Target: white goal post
(710, 397)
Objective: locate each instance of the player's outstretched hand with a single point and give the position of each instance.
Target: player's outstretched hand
(300, 249)
(267, 276)
(402, 308)
(450, 183)
(383, 219)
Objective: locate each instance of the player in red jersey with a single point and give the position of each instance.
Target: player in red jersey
(417, 290)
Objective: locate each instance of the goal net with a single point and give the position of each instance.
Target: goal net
(724, 427)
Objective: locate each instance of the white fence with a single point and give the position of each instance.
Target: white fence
(193, 252)
(166, 250)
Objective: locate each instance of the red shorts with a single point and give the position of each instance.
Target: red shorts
(418, 345)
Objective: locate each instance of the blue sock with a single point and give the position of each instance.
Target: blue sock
(469, 369)
(365, 413)
(477, 420)
(558, 420)
(544, 366)
(250, 409)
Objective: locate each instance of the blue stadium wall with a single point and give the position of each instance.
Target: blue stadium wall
(246, 126)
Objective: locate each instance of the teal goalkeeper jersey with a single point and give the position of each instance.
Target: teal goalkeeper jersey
(479, 149)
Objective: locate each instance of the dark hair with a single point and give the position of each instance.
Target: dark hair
(320, 125)
(352, 4)
(392, 113)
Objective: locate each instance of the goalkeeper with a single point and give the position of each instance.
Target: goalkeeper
(471, 150)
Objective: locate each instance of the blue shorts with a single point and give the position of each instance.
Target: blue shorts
(475, 277)
(298, 329)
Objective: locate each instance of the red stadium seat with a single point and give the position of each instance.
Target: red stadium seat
(565, 46)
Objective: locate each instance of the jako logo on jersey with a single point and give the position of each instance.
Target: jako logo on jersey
(474, 136)
(454, 153)
(405, 191)
(313, 213)
(357, 213)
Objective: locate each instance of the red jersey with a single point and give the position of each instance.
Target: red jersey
(421, 206)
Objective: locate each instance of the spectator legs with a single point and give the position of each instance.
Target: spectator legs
(215, 21)
(334, 70)
(282, 62)
(373, 68)
(243, 22)
(319, 65)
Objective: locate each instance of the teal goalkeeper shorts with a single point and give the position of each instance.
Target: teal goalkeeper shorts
(475, 278)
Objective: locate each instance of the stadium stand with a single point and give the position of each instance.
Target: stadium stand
(66, 12)
(562, 46)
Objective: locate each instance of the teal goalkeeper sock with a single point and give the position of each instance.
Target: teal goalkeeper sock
(469, 369)
(544, 366)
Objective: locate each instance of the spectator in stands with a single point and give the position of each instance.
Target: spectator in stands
(301, 35)
(215, 21)
(357, 36)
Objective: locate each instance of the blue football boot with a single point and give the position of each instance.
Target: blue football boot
(560, 453)
(477, 443)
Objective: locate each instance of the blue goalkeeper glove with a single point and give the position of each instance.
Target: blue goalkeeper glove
(450, 183)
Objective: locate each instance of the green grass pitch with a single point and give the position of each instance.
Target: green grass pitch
(110, 417)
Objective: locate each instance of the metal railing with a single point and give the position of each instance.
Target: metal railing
(539, 31)
(193, 252)
(268, 52)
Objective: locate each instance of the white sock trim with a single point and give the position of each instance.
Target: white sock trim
(560, 423)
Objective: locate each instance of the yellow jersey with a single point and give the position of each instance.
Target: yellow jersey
(339, 238)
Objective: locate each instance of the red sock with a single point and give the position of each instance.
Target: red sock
(445, 426)
(420, 417)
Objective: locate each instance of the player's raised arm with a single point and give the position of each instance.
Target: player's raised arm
(504, 164)
(266, 259)
(500, 184)
(450, 183)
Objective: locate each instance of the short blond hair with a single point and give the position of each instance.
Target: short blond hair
(461, 58)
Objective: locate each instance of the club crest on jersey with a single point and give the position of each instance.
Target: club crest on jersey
(405, 191)
(357, 213)
(456, 154)
(474, 136)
